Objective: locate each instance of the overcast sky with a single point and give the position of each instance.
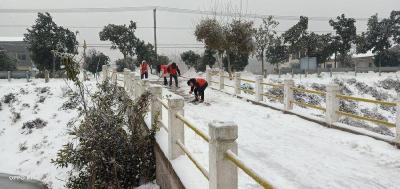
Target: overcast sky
(184, 22)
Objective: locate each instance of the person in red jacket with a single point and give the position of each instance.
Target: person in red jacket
(173, 71)
(163, 70)
(144, 70)
(198, 86)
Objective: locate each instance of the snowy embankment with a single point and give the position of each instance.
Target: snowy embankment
(364, 85)
(28, 151)
(288, 151)
(35, 118)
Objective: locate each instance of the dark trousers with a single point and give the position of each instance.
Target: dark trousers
(165, 81)
(144, 75)
(199, 91)
(175, 78)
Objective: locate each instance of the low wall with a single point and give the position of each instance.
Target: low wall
(166, 176)
(17, 74)
(369, 69)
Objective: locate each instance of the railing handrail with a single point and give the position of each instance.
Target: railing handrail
(272, 84)
(239, 163)
(248, 90)
(163, 103)
(247, 80)
(191, 157)
(309, 105)
(193, 127)
(309, 91)
(366, 119)
(228, 86)
(272, 96)
(163, 125)
(366, 100)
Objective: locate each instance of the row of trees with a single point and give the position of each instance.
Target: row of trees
(45, 36)
(199, 62)
(235, 41)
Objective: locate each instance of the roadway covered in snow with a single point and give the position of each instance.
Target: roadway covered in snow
(287, 150)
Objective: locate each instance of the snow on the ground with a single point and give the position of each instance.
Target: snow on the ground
(288, 151)
(365, 85)
(30, 154)
(41, 144)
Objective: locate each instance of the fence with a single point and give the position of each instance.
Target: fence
(332, 96)
(332, 70)
(223, 159)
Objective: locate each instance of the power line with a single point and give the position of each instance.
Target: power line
(160, 27)
(165, 9)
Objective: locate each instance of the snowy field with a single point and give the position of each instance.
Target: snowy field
(28, 151)
(286, 150)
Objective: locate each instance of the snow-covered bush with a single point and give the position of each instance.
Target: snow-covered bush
(34, 124)
(389, 84)
(113, 147)
(9, 98)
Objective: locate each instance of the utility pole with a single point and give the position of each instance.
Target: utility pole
(155, 33)
(84, 53)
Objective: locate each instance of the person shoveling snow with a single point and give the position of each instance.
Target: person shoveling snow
(198, 86)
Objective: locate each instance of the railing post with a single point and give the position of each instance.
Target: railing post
(279, 72)
(259, 88)
(355, 70)
(131, 84)
(137, 87)
(305, 73)
(114, 76)
(9, 75)
(126, 77)
(288, 96)
(223, 173)
(104, 70)
(292, 73)
(155, 104)
(221, 79)
(332, 104)
(208, 76)
(175, 127)
(237, 83)
(330, 72)
(27, 76)
(145, 86)
(46, 76)
(398, 119)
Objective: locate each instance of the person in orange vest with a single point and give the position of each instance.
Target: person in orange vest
(144, 70)
(163, 70)
(173, 71)
(198, 86)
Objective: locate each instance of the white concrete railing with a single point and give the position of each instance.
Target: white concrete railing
(223, 159)
(332, 94)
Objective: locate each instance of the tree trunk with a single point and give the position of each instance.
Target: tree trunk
(262, 63)
(229, 65)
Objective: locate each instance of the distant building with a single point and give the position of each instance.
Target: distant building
(16, 48)
(363, 60)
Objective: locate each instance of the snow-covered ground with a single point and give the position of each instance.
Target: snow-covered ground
(28, 152)
(288, 151)
(366, 85)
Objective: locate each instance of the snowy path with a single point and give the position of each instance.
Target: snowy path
(291, 152)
